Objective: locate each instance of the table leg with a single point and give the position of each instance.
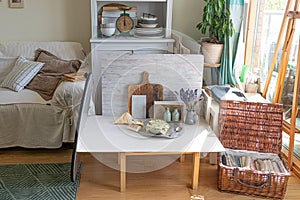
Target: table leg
(182, 157)
(213, 158)
(196, 161)
(122, 157)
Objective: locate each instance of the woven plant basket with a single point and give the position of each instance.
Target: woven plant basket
(253, 127)
(212, 52)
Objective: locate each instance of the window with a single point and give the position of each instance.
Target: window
(268, 20)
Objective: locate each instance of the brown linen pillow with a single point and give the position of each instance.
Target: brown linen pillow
(49, 77)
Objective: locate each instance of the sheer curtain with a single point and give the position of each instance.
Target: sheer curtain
(231, 47)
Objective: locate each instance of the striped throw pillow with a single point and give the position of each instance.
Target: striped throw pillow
(21, 74)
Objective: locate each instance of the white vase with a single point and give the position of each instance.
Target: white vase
(191, 117)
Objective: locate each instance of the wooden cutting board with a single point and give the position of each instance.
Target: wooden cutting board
(153, 92)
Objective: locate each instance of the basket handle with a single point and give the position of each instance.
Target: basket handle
(267, 183)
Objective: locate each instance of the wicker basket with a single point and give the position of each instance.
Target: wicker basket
(253, 127)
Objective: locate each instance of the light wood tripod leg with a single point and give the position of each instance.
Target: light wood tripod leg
(274, 58)
(294, 111)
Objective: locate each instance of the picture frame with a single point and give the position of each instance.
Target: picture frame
(16, 3)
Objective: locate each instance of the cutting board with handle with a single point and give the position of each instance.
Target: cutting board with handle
(153, 92)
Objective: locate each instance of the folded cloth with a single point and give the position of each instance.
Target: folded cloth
(257, 165)
(72, 77)
(270, 166)
(134, 127)
(243, 160)
(237, 161)
(227, 93)
(231, 161)
(261, 165)
(219, 91)
(127, 119)
(253, 165)
(267, 168)
(281, 166)
(228, 160)
(247, 162)
(275, 167)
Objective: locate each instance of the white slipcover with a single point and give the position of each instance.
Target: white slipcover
(26, 119)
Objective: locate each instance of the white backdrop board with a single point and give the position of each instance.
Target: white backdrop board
(173, 71)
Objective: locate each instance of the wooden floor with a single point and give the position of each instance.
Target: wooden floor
(172, 182)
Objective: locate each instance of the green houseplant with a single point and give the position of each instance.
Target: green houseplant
(215, 19)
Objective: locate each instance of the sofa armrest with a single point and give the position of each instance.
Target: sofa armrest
(68, 94)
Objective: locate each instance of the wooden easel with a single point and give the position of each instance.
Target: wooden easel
(290, 17)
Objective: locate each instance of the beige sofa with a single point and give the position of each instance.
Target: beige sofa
(26, 119)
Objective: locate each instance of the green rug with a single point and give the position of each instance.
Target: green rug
(37, 182)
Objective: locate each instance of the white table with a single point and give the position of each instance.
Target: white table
(99, 134)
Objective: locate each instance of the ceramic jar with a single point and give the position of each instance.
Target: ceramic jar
(175, 115)
(167, 115)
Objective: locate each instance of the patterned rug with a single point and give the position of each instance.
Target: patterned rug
(37, 181)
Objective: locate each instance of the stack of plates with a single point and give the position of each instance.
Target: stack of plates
(148, 32)
(147, 28)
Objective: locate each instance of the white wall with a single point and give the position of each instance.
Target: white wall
(186, 15)
(69, 20)
(45, 20)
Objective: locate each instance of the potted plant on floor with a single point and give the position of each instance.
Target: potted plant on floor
(215, 19)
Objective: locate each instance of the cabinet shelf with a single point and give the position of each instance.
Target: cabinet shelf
(126, 39)
(160, 8)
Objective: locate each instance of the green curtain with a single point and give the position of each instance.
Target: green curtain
(236, 8)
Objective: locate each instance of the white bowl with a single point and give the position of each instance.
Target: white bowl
(108, 25)
(108, 31)
(148, 25)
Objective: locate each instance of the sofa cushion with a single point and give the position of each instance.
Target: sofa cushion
(49, 77)
(6, 65)
(25, 96)
(21, 74)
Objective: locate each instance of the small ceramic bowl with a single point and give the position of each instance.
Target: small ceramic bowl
(148, 20)
(108, 25)
(108, 29)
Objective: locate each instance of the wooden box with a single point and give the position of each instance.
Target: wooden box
(251, 126)
(160, 107)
